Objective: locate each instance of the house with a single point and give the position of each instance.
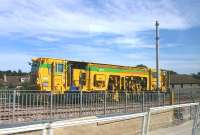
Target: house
(14, 81)
(24, 79)
(183, 81)
(1, 82)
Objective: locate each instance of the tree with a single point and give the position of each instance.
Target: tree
(12, 73)
(25, 86)
(141, 65)
(198, 73)
(19, 72)
(197, 76)
(173, 72)
(1, 74)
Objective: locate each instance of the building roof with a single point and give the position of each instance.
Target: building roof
(1, 81)
(183, 79)
(14, 80)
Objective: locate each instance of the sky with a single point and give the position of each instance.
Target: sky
(118, 32)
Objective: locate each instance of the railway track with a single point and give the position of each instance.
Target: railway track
(27, 110)
(26, 114)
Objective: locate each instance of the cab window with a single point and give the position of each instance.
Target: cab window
(59, 67)
(34, 67)
(83, 78)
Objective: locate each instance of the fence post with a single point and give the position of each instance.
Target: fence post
(51, 106)
(47, 130)
(196, 118)
(105, 96)
(126, 101)
(44, 131)
(146, 122)
(14, 100)
(172, 97)
(81, 102)
(179, 96)
(158, 98)
(163, 99)
(143, 101)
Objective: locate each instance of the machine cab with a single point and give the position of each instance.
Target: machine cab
(49, 74)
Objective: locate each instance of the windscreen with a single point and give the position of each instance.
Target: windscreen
(34, 67)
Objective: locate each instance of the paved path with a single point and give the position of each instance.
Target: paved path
(182, 129)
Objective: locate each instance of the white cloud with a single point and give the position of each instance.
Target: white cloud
(60, 17)
(86, 52)
(47, 38)
(52, 20)
(124, 42)
(131, 42)
(46, 49)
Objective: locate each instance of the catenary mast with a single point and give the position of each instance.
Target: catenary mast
(157, 56)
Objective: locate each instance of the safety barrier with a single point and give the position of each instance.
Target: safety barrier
(21, 106)
(47, 128)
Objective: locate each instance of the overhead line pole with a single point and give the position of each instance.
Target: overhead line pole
(157, 57)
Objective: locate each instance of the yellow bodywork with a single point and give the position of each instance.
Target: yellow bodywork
(59, 76)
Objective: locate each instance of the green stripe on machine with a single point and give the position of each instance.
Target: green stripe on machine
(92, 68)
(45, 65)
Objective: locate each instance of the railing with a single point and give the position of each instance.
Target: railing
(21, 106)
(183, 119)
(186, 95)
(183, 123)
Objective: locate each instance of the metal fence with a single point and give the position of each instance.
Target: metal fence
(21, 106)
(29, 106)
(186, 95)
(180, 119)
(163, 120)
